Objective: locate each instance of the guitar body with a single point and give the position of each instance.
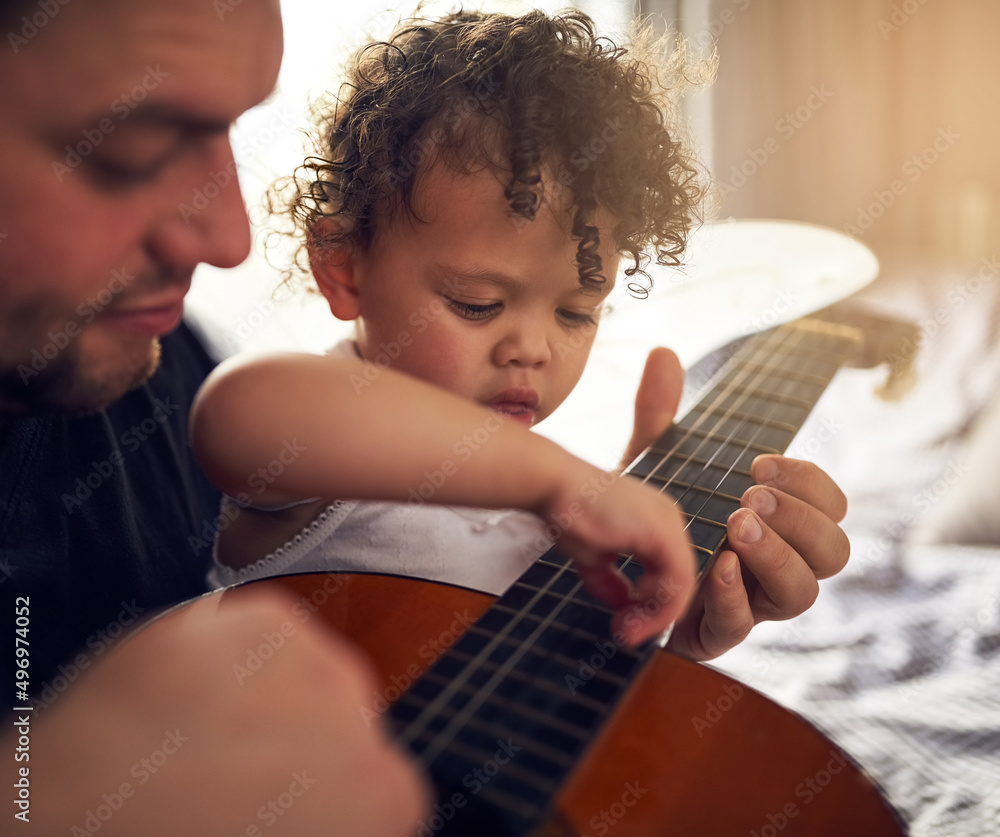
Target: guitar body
(689, 751)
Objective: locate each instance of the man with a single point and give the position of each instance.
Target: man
(111, 114)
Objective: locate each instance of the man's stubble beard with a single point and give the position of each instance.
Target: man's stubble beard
(67, 384)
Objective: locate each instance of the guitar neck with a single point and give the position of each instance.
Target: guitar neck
(502, 718)
(756, 404)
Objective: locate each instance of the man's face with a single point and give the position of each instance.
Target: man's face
(111, 119)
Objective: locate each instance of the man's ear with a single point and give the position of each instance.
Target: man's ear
(333, 263)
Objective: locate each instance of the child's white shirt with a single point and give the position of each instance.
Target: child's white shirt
(483, 549)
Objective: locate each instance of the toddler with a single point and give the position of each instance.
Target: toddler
(478, 182)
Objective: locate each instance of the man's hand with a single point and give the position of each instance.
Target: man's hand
(783, 539)
(174, 734)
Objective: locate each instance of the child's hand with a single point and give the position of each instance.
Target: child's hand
(781, 542)
(600, 515)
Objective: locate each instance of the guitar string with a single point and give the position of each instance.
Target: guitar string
(763, 373)
(418, 725)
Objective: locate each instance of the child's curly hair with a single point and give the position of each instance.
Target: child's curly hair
(545, 94)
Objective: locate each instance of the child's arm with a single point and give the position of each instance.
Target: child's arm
(292, 426)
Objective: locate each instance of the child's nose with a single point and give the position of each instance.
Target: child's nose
(525, 345)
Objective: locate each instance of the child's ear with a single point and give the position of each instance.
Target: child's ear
(333, 265)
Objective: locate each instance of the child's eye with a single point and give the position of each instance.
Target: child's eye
(473, 312)
(576, 319)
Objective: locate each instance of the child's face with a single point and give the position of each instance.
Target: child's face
(470, 298)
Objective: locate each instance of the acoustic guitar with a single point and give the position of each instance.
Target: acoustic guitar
(531, 719)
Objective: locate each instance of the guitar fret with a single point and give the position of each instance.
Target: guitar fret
(785, 361)
(736, 418)
(705, 536)
(702, 492)
(555, 658)
(732, 406)
(763, 433)
(698, 460)
(570, 588)
(537, 773)
(525, 596)
(523, 793)
(790, 373)
(715, 509)
(555, 754)
(538, 620)
(541, 618)
(579, 710)
(697, 518)
(774, 394)
(727, 441)
(558, 734)
(548, 730)
(501, 800)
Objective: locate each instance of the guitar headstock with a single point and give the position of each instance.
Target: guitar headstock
(882, 340)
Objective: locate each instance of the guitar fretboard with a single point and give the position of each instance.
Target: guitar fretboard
(503, 717)
(755, 405)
